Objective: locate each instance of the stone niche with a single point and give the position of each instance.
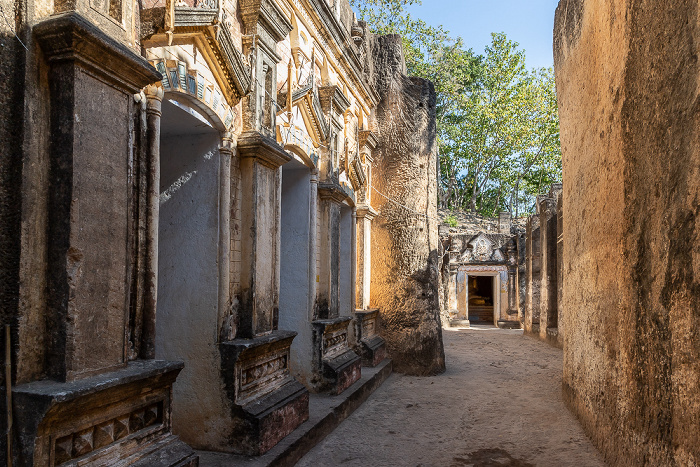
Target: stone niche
(482, 285)
(96, 406)
(368, 343)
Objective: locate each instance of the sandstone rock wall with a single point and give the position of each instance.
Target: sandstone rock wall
(627, 82)
(404, 241)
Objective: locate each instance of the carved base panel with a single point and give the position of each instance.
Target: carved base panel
(370, 346)
(117, 418)
(268, 403)
(338, 366)
(372, 350)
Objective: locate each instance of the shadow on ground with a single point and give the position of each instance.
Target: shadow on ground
(489, 458)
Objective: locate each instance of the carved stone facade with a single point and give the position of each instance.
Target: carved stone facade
(190, 225)
(480, 271)
(543, 312)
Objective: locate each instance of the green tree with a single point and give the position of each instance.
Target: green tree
(498, 130)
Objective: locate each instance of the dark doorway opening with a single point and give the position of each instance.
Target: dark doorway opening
(480, 299)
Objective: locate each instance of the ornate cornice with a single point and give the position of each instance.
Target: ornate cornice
(332, 97)
(369, 139)
(265, 149)
(70, 37)
(254, 12)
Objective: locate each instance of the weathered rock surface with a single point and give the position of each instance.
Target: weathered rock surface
(627, 82)
(405, 235)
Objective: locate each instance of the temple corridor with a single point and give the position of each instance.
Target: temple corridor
(498, 403)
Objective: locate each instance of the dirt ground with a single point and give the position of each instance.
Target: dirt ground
(498, 404)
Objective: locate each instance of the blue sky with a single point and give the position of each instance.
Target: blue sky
(528, 22)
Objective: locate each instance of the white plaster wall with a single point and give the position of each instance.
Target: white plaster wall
(295, 288)
(186, 321)
(345, 290)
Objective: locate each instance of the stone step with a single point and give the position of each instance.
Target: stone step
(326, 412)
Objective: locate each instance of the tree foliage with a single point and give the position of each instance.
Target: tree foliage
(498, 129)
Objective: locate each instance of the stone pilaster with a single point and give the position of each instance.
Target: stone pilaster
(267, 402)
(95, 405)
(261, 159)
(548, 269)
(531, 318)
(331, 194)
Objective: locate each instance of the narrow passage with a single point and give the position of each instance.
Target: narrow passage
(498, 404)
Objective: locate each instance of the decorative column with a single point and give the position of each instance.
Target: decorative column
(226, 153)
(313, 239)
(532, 291)
(548, 271)
(353, 254)
(154, 101)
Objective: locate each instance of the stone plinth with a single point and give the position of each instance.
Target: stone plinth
(268, 403)
(368, 344)
(338, 366)
(120, 417)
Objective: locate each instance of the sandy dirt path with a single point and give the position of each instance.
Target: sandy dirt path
(498, 404)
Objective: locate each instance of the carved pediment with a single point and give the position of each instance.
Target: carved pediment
(307, 101)
(223, 59)
(482, 248)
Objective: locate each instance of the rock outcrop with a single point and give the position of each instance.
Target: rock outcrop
(405, 234)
